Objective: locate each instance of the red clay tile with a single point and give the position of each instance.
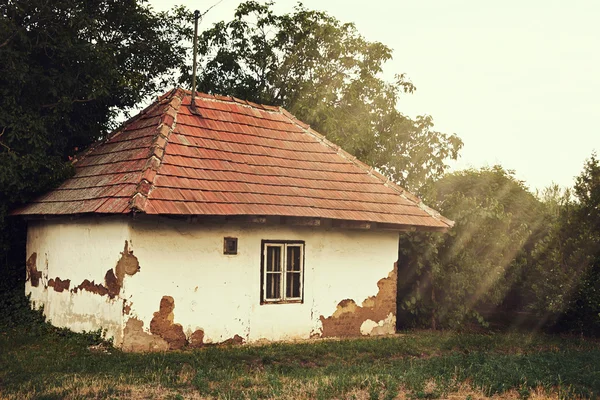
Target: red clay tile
(237, 158)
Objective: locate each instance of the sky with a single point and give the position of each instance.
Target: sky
(517, 81)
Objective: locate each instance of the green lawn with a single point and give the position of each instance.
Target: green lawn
(46, 363)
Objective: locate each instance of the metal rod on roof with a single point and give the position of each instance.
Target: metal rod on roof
(193, 103)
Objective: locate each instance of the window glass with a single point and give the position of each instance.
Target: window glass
(293, 285)
(273, 258)
(293, 258)
(273, 286)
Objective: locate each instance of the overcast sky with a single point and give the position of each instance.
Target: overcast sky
(518, 81)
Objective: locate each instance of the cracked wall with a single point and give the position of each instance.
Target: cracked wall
(33, 275)
(67, 267)
(217, 296)
(375, 316)
(113, 279)
(164, 333)
(188, 294)
(162, 325)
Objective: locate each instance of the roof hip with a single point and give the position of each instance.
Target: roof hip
(169, 160)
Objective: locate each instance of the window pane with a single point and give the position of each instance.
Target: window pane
(273, 258)
(273, 286)
(293, 285)
(293, 258)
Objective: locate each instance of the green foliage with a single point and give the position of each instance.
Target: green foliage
(68, 67)
(324, 72)
(567, 260)
(458, 275)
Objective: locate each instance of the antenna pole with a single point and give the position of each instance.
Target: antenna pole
(193, 104)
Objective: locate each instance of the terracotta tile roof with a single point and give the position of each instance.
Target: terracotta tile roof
(235, 158)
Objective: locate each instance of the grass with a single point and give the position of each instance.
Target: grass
(38, 361)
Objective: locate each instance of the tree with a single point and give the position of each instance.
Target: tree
(329, 76)
(458, 276)
(567, 260)
(67, 67)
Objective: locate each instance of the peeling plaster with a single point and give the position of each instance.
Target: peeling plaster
(104, 303)
(128, 264)
(91, 287)
(112, 285)
(384, 327)
(59, 285)
(197, 339)
(376, 315)
(164, 333)
(136, 340)
(33, 275)
(236, 339)
(162, 325)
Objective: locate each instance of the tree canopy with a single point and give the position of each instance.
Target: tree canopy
(458, 275)
(66, 68)
(329, 76)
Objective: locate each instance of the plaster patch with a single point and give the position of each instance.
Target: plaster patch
(236, 339)
(344, 307)
(162, 325)
(349, 319)
(197, 339)
(33, 275)
(91, 287)
(385, 327)
(128, 264)
(367, 327)
(59, 285)
(135, 339)
(112, 285)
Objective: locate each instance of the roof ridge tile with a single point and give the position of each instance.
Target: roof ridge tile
(119, 130)
(165, 127)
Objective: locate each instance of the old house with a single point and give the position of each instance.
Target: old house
(230, 222)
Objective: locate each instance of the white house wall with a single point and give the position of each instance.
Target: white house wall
(220, 294)
(175, 286)
(64, 256)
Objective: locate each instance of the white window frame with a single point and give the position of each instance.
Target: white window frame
(283, 245)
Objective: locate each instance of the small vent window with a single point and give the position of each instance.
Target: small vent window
(230, 245)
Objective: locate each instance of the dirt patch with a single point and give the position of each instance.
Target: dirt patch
(162, 325)
(33, 275)
(59, 285)
(376, 315)
(126, 308)
(135, 339)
